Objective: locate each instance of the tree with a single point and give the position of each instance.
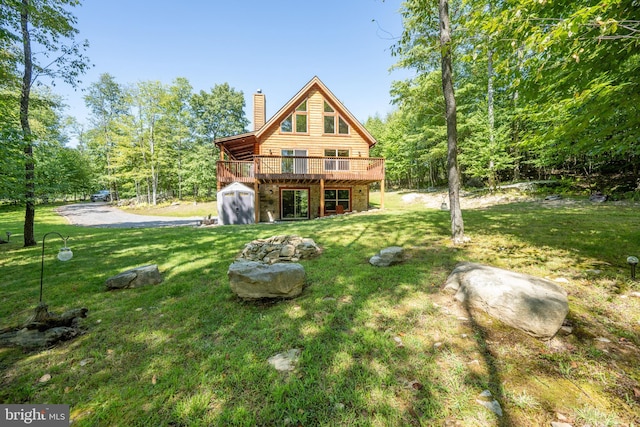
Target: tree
(107, 101)
(217, 114)
(457, 224)
(49, 24)
(179, 119)
(418, 49)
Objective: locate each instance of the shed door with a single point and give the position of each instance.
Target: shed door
(237, 207)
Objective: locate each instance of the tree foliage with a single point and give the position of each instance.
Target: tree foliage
(50, 26)
(154, 140)
(543, 89)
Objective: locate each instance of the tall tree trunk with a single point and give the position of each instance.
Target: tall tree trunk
(457, 225)
(30, 210)
(491, 117)
(493, 181)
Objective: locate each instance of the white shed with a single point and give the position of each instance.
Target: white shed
(236, 205)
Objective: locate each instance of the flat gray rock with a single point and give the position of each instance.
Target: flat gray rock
(136, 277)
(387, 257)
(285, 362)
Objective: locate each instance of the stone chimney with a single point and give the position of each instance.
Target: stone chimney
(259, 110)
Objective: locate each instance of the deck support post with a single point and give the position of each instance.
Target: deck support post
(382, 194)
(321, 197)
(256, 192)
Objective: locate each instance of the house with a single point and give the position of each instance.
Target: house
(309, 160)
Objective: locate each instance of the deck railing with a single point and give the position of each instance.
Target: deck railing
(302, 167)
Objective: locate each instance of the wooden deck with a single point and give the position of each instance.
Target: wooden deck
(273, 169)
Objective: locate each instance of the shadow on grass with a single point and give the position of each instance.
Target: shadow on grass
(187, 352)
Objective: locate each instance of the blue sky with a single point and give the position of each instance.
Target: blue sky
(274, 45)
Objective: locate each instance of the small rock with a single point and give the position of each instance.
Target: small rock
(561, 280)
(603, 339)
(398, 341)
(561, 417)
(493, 406)
(437, 345)
(593, 271)
(44, 378)
(85, 362)
(387, 257)
(339, 406)
(635, 294)
(136, 277)
(284, 362)
(560, 424)
(565, 330)
(485, 393)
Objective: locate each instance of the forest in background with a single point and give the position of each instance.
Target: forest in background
(544, 90)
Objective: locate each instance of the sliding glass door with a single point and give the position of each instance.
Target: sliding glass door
(294, 204)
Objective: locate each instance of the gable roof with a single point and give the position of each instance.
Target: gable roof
(316, 83)
(241, 146)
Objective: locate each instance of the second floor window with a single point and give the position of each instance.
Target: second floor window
(336, 164)
(296, 122)
(333, 122)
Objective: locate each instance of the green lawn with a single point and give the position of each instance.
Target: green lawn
(379, 346)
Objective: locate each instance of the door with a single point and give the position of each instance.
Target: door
(236, 207)
(297, 165)
(294, 204)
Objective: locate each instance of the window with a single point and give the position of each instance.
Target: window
(336, 164)
(296, 121)
(329, 124)
(343, 127)
(330, 119)
(294, 161)
(337, 197)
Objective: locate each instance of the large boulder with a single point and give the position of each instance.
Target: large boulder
(136, 277)
(534, 305)
(255, 280)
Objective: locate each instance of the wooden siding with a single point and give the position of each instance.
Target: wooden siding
(314, 141)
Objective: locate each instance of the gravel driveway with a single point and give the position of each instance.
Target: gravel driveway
(103, 215)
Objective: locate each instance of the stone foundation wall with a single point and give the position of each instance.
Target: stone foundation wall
(270, 199)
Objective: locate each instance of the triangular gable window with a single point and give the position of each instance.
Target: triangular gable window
(333, 122)
(296, 122)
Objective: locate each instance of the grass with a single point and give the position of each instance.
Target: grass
(177, 209)
(379, 346)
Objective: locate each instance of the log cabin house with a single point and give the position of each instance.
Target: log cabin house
(309, 160)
